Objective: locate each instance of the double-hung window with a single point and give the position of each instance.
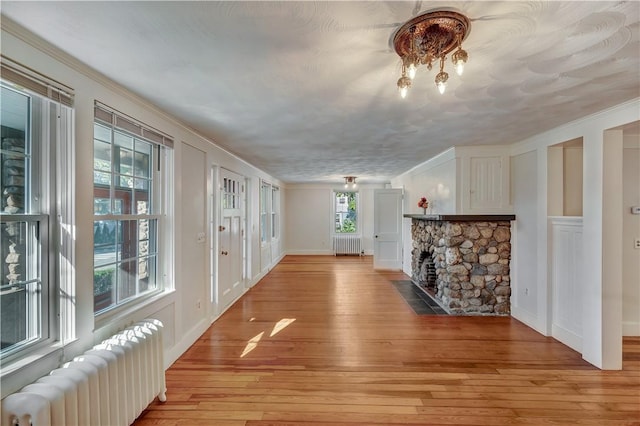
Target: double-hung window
(346, 212)
(36, 203)
(269, 212)
(130, 187)
(265, 212)
(275, 212)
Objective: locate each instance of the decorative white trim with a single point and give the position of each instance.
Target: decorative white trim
(567, 337)
(185, 343)
(566, 220)
(528, 319)
(309, 252)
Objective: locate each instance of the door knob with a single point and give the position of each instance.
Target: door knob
(221, 228)
(224, 253)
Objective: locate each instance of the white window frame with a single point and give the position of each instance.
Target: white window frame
(265, 213)
(49, 205)
(160, 194)
(275, 213)
(335, 212)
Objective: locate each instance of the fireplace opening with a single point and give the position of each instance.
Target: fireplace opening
(427, 272)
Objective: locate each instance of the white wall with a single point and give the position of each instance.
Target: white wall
(602, 218)
(524, 251)
(193, 157)
(309, 210)
(631, 231)
(434, 179)
(573, 181)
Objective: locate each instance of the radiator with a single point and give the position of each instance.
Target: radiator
(110, 384)
(347, 244)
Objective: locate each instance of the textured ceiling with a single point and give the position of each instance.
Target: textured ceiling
(306, 90)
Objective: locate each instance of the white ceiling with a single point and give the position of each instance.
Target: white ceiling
(307, 90)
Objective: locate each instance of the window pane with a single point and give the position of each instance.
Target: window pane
(103, 287)
(124, 153)
(143, 205)
(147, 273)
(21, 292)
(102, 179)
(129, 239)
(14, 157)
(102, 133)
(124, 196)
(126, 280)
(101, 155)
(346, 209)
(105, 247)
(142, 162)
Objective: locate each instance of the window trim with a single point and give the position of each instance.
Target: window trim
(52, 122)
(161, 195)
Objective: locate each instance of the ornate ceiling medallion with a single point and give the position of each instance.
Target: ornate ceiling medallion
(428, 38)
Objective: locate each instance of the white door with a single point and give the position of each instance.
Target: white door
(230, 238)
(387, 229)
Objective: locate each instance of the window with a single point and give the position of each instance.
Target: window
(346, 212)
(265, 209)
(269, 212)
(34, 175)
(275, 209)
(129, 189)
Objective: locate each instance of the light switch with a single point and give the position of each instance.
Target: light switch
(635, 209)
(201, 237)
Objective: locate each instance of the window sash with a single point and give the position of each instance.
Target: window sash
(130, 267)
(27, 286)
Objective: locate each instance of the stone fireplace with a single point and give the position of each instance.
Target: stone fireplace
(462, 261)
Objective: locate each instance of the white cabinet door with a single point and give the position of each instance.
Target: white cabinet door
(486, 183)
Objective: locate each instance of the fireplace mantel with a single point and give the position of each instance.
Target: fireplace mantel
(463, 217)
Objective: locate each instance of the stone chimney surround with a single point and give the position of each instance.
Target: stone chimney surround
(463, 261)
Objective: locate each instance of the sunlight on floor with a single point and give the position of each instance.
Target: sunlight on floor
(252, 344)
(282, 324)
(277, 328)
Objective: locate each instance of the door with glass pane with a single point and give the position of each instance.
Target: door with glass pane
(231, 238)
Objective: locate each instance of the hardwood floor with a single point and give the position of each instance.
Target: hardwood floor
(327, 340)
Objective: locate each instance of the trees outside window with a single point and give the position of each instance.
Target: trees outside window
(346, 212)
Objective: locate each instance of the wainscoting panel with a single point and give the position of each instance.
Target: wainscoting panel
(566, 279)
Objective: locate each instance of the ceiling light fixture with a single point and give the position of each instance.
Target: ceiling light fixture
(428, 38)
(350, 180)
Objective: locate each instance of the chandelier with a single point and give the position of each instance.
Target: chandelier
(350, 180)
(426, 40)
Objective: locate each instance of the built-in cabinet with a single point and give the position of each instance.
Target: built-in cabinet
(483, 180)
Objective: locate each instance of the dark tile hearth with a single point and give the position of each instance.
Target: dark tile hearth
(418, 299)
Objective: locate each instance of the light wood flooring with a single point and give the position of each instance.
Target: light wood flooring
(327, 340)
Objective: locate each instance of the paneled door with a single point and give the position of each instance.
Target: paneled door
(387, 229)
(230, 238)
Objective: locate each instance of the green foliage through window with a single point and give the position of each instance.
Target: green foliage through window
(346, 211)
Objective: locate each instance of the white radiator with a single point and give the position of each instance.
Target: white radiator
(347, 244)
(110, 384)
